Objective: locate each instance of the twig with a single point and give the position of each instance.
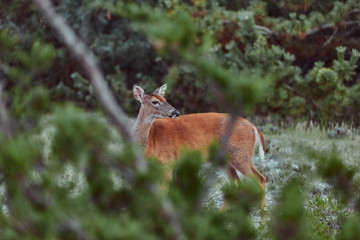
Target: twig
(220, 156)
(318, 29)
(330, 38)
(88, 61)
(268, 32)
(4, 119)
(330, 26)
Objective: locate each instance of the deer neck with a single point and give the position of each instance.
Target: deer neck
(142, 126)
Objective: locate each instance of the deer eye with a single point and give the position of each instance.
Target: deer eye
(155, 102)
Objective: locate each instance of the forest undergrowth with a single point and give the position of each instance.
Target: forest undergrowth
(289, 158)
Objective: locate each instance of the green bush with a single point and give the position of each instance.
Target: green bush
(290, 44)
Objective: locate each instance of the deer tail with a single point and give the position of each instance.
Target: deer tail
(260, 141)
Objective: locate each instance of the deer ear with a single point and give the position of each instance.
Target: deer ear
(138, 93)
(161, 90)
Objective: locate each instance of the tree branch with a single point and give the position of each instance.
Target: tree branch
(268, 32)
(4, 118)
(330, 26)
(328, 41)
(88, 61)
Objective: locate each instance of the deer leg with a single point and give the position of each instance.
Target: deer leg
(231, 172)
(262, 184)
(245, 166)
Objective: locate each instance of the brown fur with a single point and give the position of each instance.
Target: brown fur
(164, 137)
(196, 131)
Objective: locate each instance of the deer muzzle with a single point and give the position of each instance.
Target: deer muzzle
(174, 114)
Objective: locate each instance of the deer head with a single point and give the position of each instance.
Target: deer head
(154, 105)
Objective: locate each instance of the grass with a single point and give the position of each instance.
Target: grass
(289, 156)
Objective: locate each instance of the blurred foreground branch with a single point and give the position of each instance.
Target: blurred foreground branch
(4, 118)
(88, 61)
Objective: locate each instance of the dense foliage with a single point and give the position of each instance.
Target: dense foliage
(68, 174)
(298, 46)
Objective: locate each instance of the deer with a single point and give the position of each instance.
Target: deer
(163, 133)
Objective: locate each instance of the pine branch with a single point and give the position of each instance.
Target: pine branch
(88, 61)
(4, 118)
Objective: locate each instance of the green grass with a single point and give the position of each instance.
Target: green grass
(290, 156)
(287, 154)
